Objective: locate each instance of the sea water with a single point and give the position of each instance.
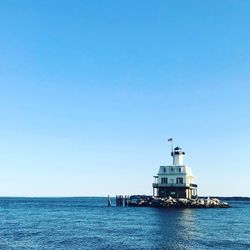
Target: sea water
(87, 223)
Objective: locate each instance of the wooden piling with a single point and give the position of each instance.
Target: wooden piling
(119, 200)
(109, 201)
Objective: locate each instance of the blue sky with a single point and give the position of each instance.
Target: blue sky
(90, 91)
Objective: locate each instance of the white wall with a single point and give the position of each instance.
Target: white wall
(178, 159)
(185, 173)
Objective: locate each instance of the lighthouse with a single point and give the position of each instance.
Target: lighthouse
(175, 180)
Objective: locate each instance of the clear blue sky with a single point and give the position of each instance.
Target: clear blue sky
(90, 91)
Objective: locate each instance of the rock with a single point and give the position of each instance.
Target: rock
(146, 201)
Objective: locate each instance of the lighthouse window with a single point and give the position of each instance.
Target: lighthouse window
(172, 170)
(179, 180)
(164, 180)
(179, 170)
(164, 169)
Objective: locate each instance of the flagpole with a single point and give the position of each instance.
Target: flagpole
(172, 145)
(172, 148)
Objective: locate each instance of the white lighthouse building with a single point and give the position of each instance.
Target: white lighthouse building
(175, 180)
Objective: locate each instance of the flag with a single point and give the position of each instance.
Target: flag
(170, 139)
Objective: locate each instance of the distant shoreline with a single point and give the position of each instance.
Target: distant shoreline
(234, 198)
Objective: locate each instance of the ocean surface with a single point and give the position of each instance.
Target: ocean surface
(87, 223)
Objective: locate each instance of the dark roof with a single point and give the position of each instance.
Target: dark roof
(177, 148)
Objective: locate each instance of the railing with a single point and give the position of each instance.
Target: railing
(157, 185)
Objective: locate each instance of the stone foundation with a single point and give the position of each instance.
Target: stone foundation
(169, 202)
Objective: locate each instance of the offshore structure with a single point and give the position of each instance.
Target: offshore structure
(174, 187)
(175, 180)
